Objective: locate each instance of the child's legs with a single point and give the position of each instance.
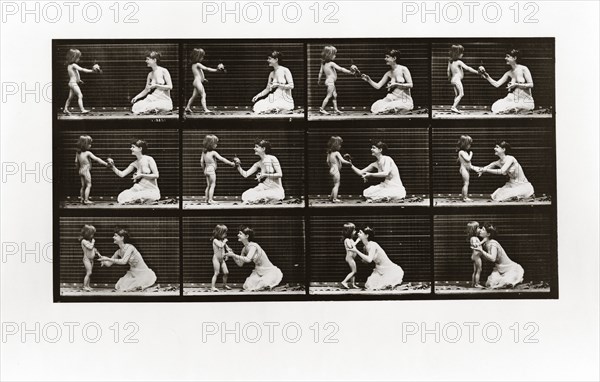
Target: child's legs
(211, 180)
(79, 95)
(192, 98)
(87, 177)
(68, 101)
(477, 270)
(216, 270)
(87, 263)
(352, 265)
(225, 272)
(465, 176)
(335, 177)
(458, 92)
(82, 189)
(330, 91)
(200, 90)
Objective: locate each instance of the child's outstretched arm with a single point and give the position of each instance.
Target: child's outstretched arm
(95, 158)
(224, 160)
(468, 68)
(79, 68)
(339, 68)
(76, 160)
(448, 71)
(342, 160)
(211, 70)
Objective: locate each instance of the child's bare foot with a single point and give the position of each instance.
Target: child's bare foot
(478, 286)
(354, 286)
(226, 287)
(467, 199)
(66, 111)
(87, 201)
(455, 110)
(323, 111)
(208, 111)
(212, 202)
(87, 289)
(338, 112)
(83, 111)
(214, 289)
(188, 110)
(345, 284)
(336, 200)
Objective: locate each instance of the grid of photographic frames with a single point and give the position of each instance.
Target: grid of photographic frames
(304, 169)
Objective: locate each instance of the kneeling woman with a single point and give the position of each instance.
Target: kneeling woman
(265, 275)
(517, 186)
(139, 276)
(270, 188)
(386, 274)
(145, 189)
(506, 273)
(391, 188)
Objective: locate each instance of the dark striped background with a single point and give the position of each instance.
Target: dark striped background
(163, 146)
(369, 57)
(536, 54)
(527, 240)
(247, 71)
(405, 239)
(287, 146)
(281, 237)
(408, 147)
(532, 147)
(156, 238)
(124, 72)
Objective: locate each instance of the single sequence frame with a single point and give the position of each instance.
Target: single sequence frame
(130, 168)
(493, 78)
(120, 80)
(118, 256)
(229, 256)
(368, 79)
(493, 165)
(242, 79)
(370, 255)
(250, 167)
(368, 166)
(482, 254)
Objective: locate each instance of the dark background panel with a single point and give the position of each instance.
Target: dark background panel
(163, 146)
(405, 239)
(536, 54)
(527, 240)
(124, 72)
(157, 240)
(533, 147)
(247, 71)
(369, 57)
(287, 145)
(281, 237)
(409, 147)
